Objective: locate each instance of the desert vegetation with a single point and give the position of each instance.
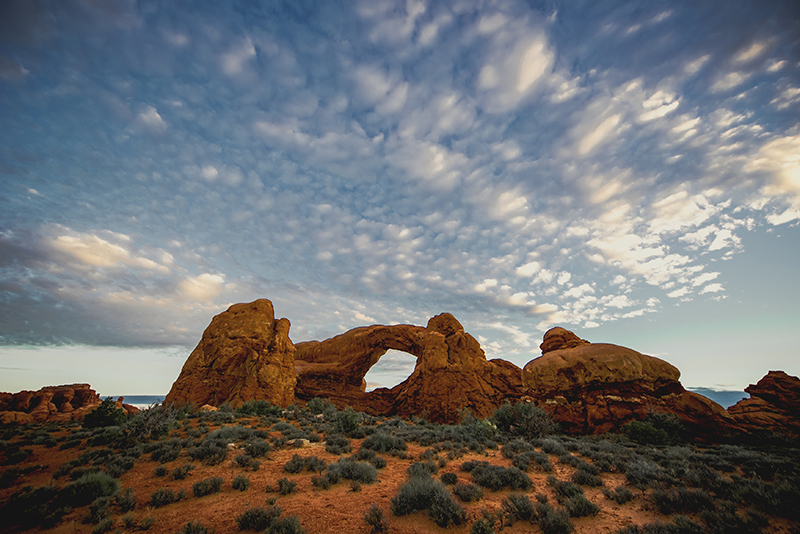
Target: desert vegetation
(315, 469)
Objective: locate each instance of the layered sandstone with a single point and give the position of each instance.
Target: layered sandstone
(774, 404)
(52, 403)
(244, 354)
(598, 387)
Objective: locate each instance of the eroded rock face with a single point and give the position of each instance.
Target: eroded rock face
(451, 373)
(244, 354)
(52, 403)
(774, 404)
(598, 387)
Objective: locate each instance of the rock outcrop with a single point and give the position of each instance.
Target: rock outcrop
(451, 372)
(774, 404)
(52, 403)
(244, 354)
(598, 387)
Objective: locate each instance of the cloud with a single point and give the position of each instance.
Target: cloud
(202, 288)
(151, 121)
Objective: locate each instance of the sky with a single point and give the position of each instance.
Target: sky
(627, 170)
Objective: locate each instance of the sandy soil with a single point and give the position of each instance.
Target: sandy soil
(338, 509)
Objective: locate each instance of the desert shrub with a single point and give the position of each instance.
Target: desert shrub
(118, 464)
(210, 451)
(642, 473)
(444, 510)
(295, 465)
(89, 487)
(353, 470)
(580, 506)
(257, 447)
(523, 419)
(258, 407)
(619, 495)
(680, 525)
(516, 447)
(179, 473)
(194, 527)
(147, 522)
(241, 483)
(126, 500)
(415, 495)
(385, 443)
(207, 486)
(321, 406)
(379, 462)
(164, 451)
(518, 506)
(552, 521)
(482, 526)
(468, 492)
(30, 507)
(348, 422)
(152, 423)
(129, 521)
(286, 486)
(644, 433)
(160, 471)
(422, 469)
(258, 519)
(586, 478)
(564, 489)
(337, 444)
(449, 478)
(246, 461)
(105, 525)
(375, 519)
(165, 496)
(680, 500)
(107, 414)
(496, 477)
(553, 446)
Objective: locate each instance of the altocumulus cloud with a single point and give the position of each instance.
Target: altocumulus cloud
(363, 162)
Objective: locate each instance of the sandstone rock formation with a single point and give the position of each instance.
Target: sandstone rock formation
(451, 372)
(244, 354)
(598, 387)
(52, 403)
(774, 404)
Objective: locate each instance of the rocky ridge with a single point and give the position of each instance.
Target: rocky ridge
(774, 404)
(52, 403)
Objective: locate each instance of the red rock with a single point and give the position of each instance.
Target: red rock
(51, 403)
(451, 373)
(598, 387)
(244, 354)
(774, 404)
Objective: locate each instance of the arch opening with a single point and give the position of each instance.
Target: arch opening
(392, 368)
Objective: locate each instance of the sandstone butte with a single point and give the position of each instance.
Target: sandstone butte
(52, 403)
(774, 403)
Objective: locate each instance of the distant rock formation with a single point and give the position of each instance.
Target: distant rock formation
(598, 387)
(451, 372)
(52, 403)
(774, 404)
(244, 354)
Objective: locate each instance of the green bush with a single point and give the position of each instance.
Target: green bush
(286, 486)
(31, 507)
(259, 407)
(619, 495)
(246, 461)
(481, 526)
(211, 451)
(165, 496)
(495, 477)
(348, 422)
(518, 506)
(523, 419)
(422, 469)
(468, 492)
(644, 433)
(241, 483)
(180, 473)
(353, 470)
(194, 527)
(375, 519)
(89, 487)
(207, 486)
(682, 500)
(552, 521)
(580, 506)
(336, 444)
(585, 478)
(444, 510)
(103, 526)
(449, 478)
(257, 447)
(385, 443)
(107, 414)
(258, 519)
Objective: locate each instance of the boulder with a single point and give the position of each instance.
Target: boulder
(774, 404)
(244, 354)
(451, 372)
(598, 387)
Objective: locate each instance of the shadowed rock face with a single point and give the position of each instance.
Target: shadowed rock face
(52, 403)
(774, 404)
(451, 373)
(598, 387)
(244, 354)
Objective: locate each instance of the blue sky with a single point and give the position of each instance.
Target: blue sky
(627, 170)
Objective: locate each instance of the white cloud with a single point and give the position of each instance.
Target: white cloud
(529, 269)
(151, 120)
(202, 288)
(781, 158)
(599, 134)
(234, 61)
(712, 288)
